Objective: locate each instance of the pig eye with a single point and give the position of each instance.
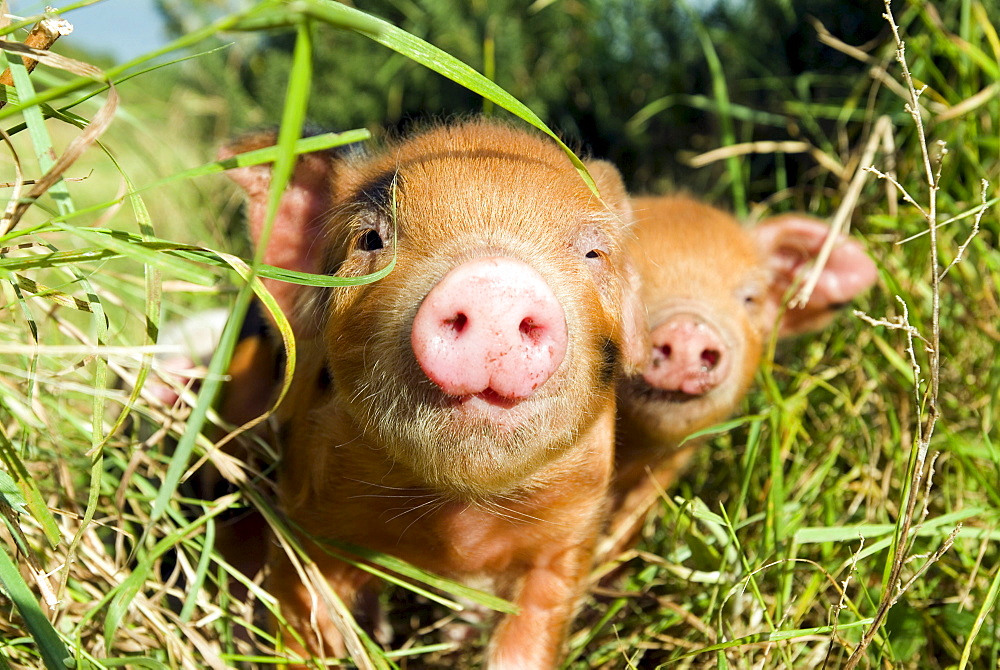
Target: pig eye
(594, 247)
(370, 240)
(751, 297)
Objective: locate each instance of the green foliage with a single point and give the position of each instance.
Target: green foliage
(625, 79)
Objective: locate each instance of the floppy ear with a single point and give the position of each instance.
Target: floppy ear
(789, 243)
(296, 236)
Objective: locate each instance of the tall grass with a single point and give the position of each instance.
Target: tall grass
(788, 544)
(850, 522)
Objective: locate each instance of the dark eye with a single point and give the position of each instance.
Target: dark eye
(751, 297)
(752, 289)
(594, 246)
(599, 254)
(370, 240)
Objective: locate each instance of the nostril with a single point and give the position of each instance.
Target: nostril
(661, 355)
(527, 327)
(710, 358)
(457, 323)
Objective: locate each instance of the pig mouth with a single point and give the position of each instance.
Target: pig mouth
(491, 398)
(487, 402)
(490, 410)
(641, 390)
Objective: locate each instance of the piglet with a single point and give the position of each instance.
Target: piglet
(459, 413)
(714, 292)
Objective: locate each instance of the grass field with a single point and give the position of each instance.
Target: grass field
(849, 518)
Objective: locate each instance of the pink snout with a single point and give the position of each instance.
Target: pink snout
(689, 356)
(493, 326)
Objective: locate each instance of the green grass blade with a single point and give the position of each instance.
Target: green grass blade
(29, 489)
(53, 651)
(411, 572)
(773, 636)
(291, 129)
(131, 246)
(270, 154)
(443, 63)
(720, 91)
(984, 610)
(35, 122)
(200, 574)
(122, 244)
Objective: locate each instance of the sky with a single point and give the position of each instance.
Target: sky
(122, 28)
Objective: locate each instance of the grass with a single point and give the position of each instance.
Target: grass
(786, 541)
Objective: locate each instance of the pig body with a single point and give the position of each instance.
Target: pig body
(458, 414)
(714, 293)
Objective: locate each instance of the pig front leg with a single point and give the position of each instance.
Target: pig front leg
(547, 594)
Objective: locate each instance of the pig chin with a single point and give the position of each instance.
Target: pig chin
(676, 413)
(641, 392)
(472, 449)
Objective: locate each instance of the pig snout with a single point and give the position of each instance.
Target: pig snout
(688, 356)
(490, 327)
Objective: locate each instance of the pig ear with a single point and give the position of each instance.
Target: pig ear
(791, 242)
(298, 225)
(611, 187)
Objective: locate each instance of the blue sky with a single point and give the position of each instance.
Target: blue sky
(122, 28)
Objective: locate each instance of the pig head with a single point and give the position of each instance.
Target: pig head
(715, 293)
(459, 413)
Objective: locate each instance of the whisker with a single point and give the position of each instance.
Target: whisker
(429, 511)
(406, 510)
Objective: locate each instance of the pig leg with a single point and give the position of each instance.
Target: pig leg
(547, 595)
